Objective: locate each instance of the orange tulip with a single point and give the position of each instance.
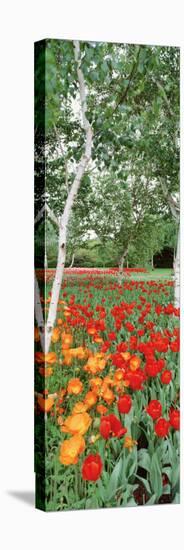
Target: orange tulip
(36, 334)
(45, 404)
(95, 383)
(91, 331)
(75, 386)
(96, 363)
(55, 335)
(49, 357)
(46, 372)
(90, 399)
(126, 355)
(118, 376)
(67, 357)
(59, 322)
(77, 423)
(108, 380)
(81, 352)
(119, 381)
(79, 407)
(66, 340)
(108, 395)
(135, 362)
(101, 409)
(71, 449)
(97, 339)
(67, 312)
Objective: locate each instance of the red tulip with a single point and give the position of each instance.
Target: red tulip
(92, 467)
(110, 425)
(124, 404)
(154, 409)
(136, 379)
(174, 418)
(162, 427)
(166, 377)
(105, 428)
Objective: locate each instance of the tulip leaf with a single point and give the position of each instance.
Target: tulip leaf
(144, 459)
(115, 479)
(156, 476)
(175, 474)
(151, 500)
(176, 499)
(145, 483)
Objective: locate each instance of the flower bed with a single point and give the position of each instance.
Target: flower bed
(109, 392)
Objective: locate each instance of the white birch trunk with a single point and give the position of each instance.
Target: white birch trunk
(174, 208)
(177, 274)
(121, 266)
(64, 219)
(39, 312)
(72, 262)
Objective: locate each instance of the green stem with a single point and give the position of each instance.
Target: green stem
(55, 481)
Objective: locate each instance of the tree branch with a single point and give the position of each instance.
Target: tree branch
(51, 215)
(130, 78)
(173, 204)
(161, 88)
(82, 90)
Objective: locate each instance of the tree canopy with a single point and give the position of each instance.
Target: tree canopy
(133, 108)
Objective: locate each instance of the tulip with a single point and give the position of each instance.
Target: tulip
(92, 467)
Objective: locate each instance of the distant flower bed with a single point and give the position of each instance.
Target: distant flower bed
(104, 271)
(90, 271)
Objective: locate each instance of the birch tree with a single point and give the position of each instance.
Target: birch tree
(133, 108)
(46, 328)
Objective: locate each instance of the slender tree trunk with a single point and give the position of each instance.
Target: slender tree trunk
(72, 262)
(177, 274)
(152, 261)
(39, 313)
(174, 208)
(121, 265)
(64, 219)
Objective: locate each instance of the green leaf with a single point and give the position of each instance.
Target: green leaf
(176, 499)
(114, 481)
(144, 459)
(145, 483)
(151, 500)
(156, 476)
(175, 474)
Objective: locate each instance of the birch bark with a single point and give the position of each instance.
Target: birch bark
(72, 262)
(174, 208)
(121, 265)
(64, 218)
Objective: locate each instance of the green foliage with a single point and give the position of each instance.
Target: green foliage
(133, 107)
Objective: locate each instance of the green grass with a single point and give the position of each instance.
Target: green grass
(165, 273)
